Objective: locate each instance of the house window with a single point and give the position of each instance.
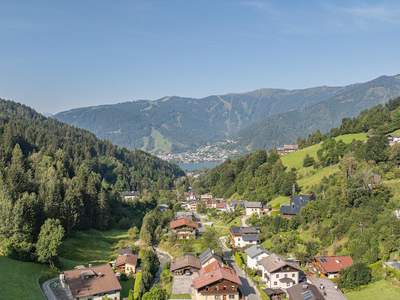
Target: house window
(293, 275)
(277, 275)
(217, 297)
(285, 275)
(275, 283)
(231, 296)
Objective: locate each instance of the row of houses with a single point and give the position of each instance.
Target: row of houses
(285, 278)
(98, 282)
(213, 280)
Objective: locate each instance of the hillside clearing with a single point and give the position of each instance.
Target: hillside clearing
(295, 159)
(92, 246)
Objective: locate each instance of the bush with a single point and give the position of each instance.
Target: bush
(308, 161)
(137, 286)
(354, 276)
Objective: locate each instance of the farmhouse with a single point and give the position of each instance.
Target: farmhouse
(278, 273)
(297, 202)
(216, 282)
(129, 196)
(186, 264)
(253, 208)
(254, 254)
(287, 149)
(126, 263)
(330, 266)
(244, 236)
(184, 228)
(94, 283)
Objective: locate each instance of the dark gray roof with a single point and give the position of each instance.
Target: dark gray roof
(207, 255)
(304, 291)
(273, 292)
(236, 230)
(250, 237)
(255, 251)
(253, 204)
(297, 203)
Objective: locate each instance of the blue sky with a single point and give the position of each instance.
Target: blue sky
(56, 55)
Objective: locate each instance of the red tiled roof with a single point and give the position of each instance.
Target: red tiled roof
(182, 222)
(210, 267)
(220, 273)
(333, 264)
(130, 259)
(221, 205)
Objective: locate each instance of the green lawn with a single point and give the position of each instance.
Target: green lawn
(278, 201)
(311, 177)
(92, 246)
(20, 280)
(295, 159)
(395, 133)
(378, 290)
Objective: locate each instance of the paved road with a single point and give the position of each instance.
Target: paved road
(48, 292)
(164, 258)
(249, 290)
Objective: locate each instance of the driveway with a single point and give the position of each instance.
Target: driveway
(249, 290)
(182, 284)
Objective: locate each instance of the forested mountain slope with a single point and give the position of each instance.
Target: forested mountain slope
(52, 170)
(348, 102)
(262, 118)
(178, 123)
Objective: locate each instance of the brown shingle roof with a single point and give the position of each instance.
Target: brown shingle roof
(182, 222)
(274, 262)
(91, 281)
(130, 259)
(187, 260)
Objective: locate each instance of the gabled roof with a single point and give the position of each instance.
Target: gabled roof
(182, 222)
(333, 264)
(255, 250)
(220, 273)
(252, 204)
(130, 259)
(297, 203)
(221, 205)
(91, 281)
(236, 230)
(185, 261)
(304, 291)
(207, 255)
(250, 237)
(274, 262)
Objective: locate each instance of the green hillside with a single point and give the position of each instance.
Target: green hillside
(295, 159)
(20, 280)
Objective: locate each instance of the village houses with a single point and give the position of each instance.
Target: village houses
(253, 208)
(185, 265)
(184, 228)
(297, 202)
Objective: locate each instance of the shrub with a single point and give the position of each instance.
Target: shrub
(354, 276)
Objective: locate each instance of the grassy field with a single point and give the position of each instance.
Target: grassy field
(20, 280)
(92, 246)
(310, 177)
(278, 201)
(378, 290)
(295, 159)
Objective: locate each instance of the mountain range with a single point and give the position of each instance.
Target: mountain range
(259, 119)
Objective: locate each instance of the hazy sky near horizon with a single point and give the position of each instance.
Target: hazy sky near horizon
(57, 55)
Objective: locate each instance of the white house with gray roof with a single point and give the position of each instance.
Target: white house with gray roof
(277, 273)
(254, 254)
(253, 208)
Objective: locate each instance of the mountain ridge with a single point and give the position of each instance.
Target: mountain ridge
(178, 124)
